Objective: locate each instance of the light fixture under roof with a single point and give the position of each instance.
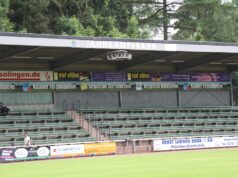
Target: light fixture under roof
(21, 57)
(46, 57)
(159, 60)
(177, 61)
(95, 59)
(119, 55)
(232, 63)
(217, 63)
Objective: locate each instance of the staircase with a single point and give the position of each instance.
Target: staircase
(94, 132)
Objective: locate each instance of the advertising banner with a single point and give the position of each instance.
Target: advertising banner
(160, 77)
(173, 77)
(27, 153)
(7, 154)
(67, 150)
(155, 77)
(26, 76)
(109, 76)
(138, 76)
(100, 148)
(195, 143)
(195, 77)
(209, 77)
(72, 76)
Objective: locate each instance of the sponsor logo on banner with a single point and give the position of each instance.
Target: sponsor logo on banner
(100, 148)
(135, 76)
(26, 76)
(72, 76)
(195, 143)
(67, 150)
(43, 151)
(7, 154)
(21, 153)
(109, 76)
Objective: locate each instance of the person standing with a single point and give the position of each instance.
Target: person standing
(27, 140)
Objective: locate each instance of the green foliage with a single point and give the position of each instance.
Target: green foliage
(133, 27)
(207, 20)
(74, 17)
(30, 15)
(210, 20)
(5, 24)
(69, 26)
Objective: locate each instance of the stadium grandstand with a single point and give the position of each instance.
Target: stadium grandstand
(72, 90)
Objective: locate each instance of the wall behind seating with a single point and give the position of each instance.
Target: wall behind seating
(115, 99)
(26, 98)
(149, 99)
(140, 99)
(205, 98)
(71, 100)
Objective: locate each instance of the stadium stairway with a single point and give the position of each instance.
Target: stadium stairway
(86, 125)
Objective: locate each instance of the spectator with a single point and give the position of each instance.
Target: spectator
(1, 105)
(27, 140)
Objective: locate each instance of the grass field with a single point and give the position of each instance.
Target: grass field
(221, 163)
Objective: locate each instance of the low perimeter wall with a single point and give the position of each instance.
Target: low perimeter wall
(38, 152)
(179, 143)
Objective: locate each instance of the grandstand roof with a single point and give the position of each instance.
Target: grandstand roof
(21, 51)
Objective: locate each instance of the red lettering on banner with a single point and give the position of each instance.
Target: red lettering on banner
(25, 76)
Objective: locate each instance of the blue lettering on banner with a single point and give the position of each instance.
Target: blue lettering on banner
(196, 146)
(179, 141)
(196, 140)
(166, 142)
(178, 146)
(209, 139)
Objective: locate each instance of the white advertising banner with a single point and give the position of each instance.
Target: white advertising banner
(195, 143)
(26, 76)
(67, 150)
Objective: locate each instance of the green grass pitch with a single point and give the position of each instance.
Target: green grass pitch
(221, 163)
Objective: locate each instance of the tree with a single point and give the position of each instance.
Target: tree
(155, 15)
(29, 15)
(5, 24)
(207, 20)
(69, 26)
(211, 20)
(75, 17)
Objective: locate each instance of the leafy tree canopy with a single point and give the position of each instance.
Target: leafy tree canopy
(210, 20)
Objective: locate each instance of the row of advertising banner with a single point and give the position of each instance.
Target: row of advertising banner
(112, 76)
(81, 86)
(195, 143)
(141, 76)
(59, 151)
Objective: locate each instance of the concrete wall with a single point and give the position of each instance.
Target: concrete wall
(205, 98)
(26, 98)
(149, 99)
(132, 146)
(140, 99)
(71, 100)
(125, 99)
